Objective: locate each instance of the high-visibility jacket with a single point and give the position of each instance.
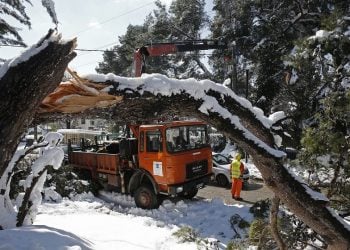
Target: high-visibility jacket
(237, 169)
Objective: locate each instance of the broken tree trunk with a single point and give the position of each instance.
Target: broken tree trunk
(24, 83)
(154, 96)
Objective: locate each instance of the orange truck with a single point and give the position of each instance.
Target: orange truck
(172, 159)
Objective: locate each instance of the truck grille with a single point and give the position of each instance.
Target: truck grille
(196, 168)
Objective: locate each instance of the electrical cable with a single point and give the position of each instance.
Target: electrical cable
(115, 17)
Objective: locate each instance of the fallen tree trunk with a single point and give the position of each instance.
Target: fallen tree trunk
(24, 83)
(155, 96)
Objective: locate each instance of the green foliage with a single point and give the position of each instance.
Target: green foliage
(8, 33)
(186, 234)
(67, 183)
(16, 10)
(256, 229)
(183, 21)
(296, 234)
(237, 245)
(326, 146)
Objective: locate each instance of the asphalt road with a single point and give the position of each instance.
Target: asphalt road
(253, 192)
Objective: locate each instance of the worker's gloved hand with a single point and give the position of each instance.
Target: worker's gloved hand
(241, 176)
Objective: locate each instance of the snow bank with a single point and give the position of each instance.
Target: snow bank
(87, 222)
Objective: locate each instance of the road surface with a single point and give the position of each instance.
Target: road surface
(255, 191)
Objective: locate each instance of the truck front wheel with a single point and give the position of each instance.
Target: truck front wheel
(146, 198)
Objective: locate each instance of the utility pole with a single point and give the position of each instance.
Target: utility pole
(234, 82)
(246, 83)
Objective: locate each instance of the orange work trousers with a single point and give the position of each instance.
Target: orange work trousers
(236, 187)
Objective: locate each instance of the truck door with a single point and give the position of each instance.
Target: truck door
(151, 154)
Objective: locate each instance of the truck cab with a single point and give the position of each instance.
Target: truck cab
(177, 155)
(172, 159)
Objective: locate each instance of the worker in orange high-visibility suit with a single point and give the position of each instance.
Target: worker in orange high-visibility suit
(237, 169)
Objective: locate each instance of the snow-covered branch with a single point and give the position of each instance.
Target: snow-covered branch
(50, 155)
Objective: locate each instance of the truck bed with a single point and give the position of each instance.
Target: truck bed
(96, 162)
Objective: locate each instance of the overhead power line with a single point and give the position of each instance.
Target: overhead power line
(115, 17)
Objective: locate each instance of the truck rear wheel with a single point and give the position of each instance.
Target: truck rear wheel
(146, 198)
(190, 193)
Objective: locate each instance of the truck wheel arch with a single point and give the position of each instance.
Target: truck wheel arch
(141, 176)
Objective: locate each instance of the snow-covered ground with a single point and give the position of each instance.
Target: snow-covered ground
(113, 221)
(87, 222)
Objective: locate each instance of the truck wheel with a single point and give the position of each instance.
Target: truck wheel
(222, 180)
(190, 193)
(146, 198)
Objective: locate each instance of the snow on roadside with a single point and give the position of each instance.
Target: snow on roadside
(209, 218)
(91, 223)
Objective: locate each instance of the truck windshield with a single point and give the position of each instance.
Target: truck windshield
(186, 138)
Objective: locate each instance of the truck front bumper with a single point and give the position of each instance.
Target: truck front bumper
(198, 183)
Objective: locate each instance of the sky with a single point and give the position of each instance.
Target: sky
(97, 25)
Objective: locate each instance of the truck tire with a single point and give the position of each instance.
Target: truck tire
(145, 198)
(190, 193)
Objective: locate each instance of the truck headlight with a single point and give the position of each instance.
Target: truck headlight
(179, 189)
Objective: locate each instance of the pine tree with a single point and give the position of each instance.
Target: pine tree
(16, 9)
(184, 20)
(326, 148)
(326, 140)
(119, 59)
(188, 18)
(263, 33)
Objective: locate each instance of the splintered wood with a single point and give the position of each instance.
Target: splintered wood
(77, 95)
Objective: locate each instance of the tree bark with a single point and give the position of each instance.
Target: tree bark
(275, 203)
(25, 85)
(27, 203)
(141, 104)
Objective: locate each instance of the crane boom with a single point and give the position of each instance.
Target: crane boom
(159, 49)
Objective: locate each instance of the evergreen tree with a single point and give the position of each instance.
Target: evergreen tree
(119, 59)
(325, 140)
(326, 148)
(263, 33)
(188, 19)
(16, 9)
(314, 69)
(184, 20)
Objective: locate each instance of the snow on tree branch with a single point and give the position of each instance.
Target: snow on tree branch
(161, 85)
(50, 155)
(53, 36)
(50, 7)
